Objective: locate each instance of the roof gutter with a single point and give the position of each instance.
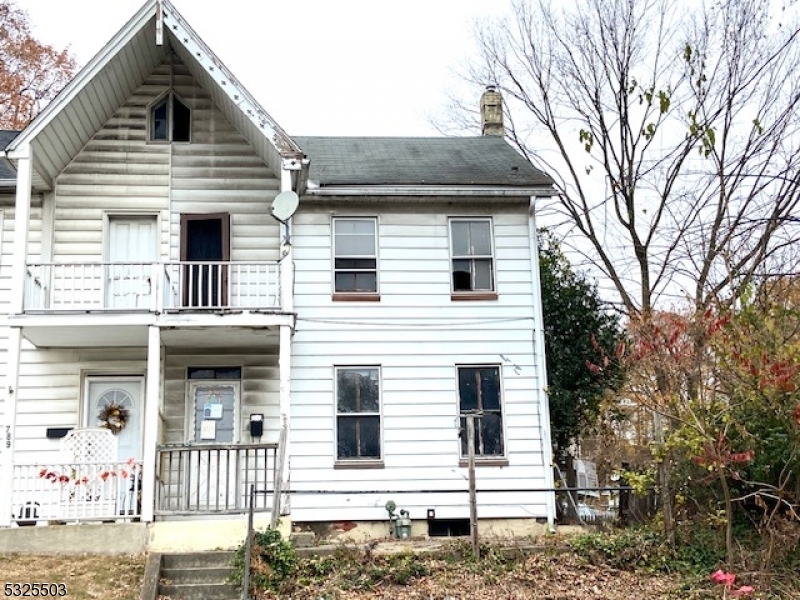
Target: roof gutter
(470, 191)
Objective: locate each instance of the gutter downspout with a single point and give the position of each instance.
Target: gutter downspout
(283, 475)
(541, 366)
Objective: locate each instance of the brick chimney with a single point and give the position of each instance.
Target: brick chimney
(492, 112)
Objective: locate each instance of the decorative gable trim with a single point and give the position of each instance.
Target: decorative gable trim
(181, 32)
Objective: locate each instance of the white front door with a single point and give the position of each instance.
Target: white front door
(132, 248)
(126, 392)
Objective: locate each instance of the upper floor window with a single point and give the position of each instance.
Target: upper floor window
(170, 120)
(471, 256)
(355, 256)
(358, 413)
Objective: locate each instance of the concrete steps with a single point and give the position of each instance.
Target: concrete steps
(197, 576)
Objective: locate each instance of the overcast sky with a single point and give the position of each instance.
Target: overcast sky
(319, 67)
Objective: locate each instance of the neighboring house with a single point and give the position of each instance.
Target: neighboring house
(149, 288)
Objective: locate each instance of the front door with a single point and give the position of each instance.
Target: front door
(213, 415)
(125, 392)
(205, 245)
(132, 248)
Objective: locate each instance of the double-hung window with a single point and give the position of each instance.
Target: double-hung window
(358, 413)
(479, 392)
(471, 256)
(355, 256)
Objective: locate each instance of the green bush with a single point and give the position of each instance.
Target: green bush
(273, 561)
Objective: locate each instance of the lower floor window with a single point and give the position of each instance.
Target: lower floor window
(479, 392)
(358, 413)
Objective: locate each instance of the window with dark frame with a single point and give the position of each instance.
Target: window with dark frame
(170, 120)
(355, 258)
(479, 390)
(358, 413)
(472, 261)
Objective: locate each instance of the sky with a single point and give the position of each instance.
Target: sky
(318, 67)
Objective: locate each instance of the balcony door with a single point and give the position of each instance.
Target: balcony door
(205, 245)
(132, 248)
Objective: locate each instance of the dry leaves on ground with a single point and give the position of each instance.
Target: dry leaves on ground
(86, 577)
(540, 576)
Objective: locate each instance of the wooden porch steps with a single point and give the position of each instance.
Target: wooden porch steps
(197, 576)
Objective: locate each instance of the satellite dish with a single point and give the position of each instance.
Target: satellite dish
(285, 205)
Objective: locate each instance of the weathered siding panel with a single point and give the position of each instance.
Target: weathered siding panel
(418, 336)
(50, 392)
(220, 172)
(259, 390)
(119, 170)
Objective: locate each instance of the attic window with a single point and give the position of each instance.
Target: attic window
(170, 120)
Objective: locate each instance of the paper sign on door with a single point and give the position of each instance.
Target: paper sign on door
(208, 430)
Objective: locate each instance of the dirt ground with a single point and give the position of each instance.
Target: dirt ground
(536, 577)
(85, 577)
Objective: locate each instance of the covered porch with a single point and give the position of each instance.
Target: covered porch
(204, 418)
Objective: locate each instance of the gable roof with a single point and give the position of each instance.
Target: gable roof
(95, 93)
(486, 161)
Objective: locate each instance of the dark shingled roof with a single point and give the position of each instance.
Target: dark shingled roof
(457, 161)
(6, 169)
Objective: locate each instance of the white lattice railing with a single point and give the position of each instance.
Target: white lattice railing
(72, 492)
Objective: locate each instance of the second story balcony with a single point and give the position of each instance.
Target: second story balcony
(153, 287)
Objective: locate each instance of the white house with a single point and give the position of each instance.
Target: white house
(149, 289)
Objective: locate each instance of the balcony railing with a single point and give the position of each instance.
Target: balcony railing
(73, 492)
(156, 287)
(214, 478)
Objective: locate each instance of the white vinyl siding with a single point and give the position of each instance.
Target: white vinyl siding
(50, 392)
(258, 391)
(418, 336)
(120, 170)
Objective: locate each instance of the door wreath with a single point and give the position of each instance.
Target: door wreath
(113, 417)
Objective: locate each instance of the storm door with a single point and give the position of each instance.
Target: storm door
(213, 419)
(205, 248)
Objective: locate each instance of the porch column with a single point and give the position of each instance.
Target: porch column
(22, 213)
(9, 425)
(22, 217)
(152, 407)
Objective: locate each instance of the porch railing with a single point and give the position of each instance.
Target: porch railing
(213, 478)
(73, 492)
(112, 286)
(198, 285)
